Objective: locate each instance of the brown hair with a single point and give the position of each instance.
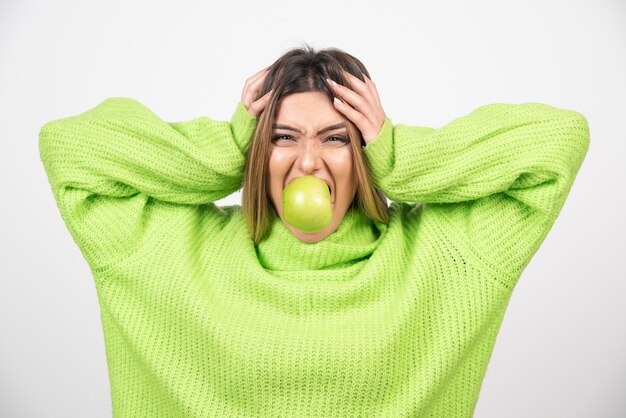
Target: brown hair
(304, 70)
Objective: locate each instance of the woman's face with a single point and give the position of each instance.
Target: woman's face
(302, 145)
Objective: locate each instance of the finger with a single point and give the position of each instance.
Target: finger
(357, 84)
(348, 95)
(252, 86)
(376, 112)
(357, 101)
(372, 87)
(361, 122)
(367, 128)
(258, 106)
(249, 94)
(365, 89)
(256, 78)
(261, 72)
(379, 108)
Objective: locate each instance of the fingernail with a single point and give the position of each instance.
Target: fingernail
(336, 100)
(331, 82)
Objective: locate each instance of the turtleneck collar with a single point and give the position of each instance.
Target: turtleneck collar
(355, 239)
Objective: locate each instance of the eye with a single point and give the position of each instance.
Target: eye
(281, 136)
(339, 139)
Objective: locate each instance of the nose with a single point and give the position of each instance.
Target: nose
(309, 157)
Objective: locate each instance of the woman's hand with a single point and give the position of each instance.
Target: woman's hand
(250, 90)
(361, 105)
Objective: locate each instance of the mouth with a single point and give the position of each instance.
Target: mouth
(328, 184)
(331, 191)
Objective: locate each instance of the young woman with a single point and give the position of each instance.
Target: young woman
(391, 311)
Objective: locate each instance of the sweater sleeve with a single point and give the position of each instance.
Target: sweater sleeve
(107, 164)
(499, 175)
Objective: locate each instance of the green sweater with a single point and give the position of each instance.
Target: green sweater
(375, 320)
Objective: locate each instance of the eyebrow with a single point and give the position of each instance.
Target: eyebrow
(321, 131)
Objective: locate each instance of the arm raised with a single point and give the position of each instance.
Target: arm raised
(109, 166)
(499, 175)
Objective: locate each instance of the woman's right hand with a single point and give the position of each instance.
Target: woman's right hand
(250, 90)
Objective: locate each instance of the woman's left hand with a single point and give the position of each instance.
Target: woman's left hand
(361, 105)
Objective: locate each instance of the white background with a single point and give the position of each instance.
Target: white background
(561, 351)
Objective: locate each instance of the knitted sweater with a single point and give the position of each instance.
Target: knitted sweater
(375, 320)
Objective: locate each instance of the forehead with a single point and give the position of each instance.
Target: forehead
(309, 110)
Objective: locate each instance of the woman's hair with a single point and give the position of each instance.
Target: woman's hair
(304, 70)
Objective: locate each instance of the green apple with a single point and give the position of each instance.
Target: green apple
(306, 204)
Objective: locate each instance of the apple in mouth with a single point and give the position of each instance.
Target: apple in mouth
(307, 204)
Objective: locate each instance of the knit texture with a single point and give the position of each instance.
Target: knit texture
(375, 320)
